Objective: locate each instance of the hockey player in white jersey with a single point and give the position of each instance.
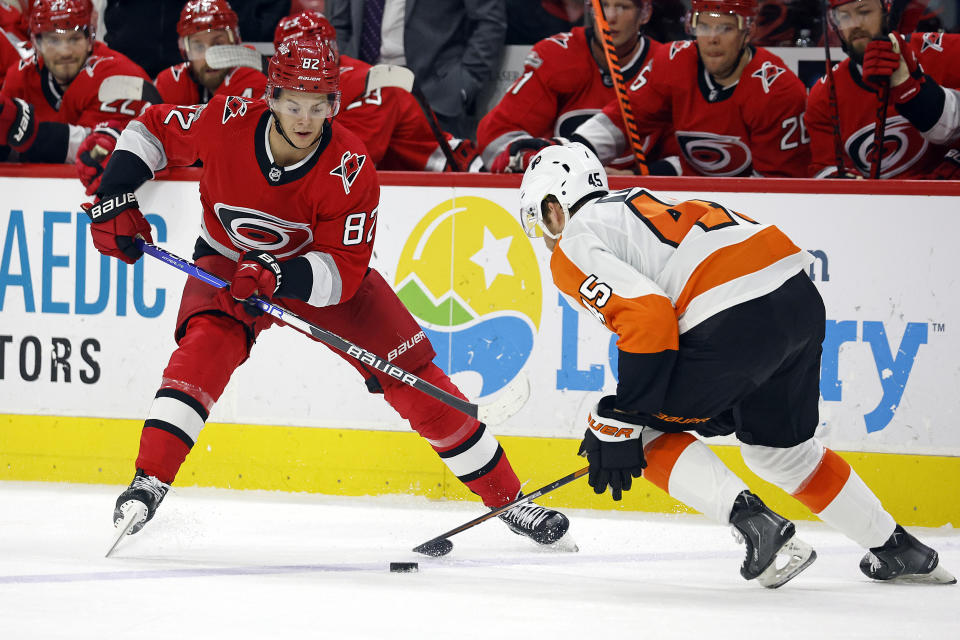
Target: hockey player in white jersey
(719, 332)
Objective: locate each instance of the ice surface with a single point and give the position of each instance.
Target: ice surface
(229, 564)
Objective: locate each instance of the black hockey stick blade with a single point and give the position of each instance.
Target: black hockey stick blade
(334, 341)
(227, 56)
(128, 88)
(441, 545)
(388, 75)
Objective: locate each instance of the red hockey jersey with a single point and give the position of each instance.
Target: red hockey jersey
(389, 121)
(78, 104)
(177, 86)
(561, 86)
(907, 154)
(323, 208)
(753, 128)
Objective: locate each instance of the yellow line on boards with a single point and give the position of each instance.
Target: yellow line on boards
(917, 490)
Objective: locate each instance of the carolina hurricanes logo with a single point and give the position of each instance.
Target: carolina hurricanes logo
(714, 155)
(677, 46)
(350, 165)
(903, 146)
(252, 230)
(92, 63)
(767, 73)
(234, 106)
(561, 39)
(932, 40)
(533, 60)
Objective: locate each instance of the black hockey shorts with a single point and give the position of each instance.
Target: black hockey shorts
(754, 369)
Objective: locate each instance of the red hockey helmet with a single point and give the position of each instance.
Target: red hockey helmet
(308, 24)
(308, 65)
(61, 15)
(745, 10)
(208, 15)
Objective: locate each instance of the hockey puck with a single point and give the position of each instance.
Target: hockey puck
(404, 567)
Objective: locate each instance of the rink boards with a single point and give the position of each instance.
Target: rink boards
(83, 341)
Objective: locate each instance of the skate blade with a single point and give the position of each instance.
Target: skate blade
(566, 544)
(134, 513)
(939, 575)
(800, 555)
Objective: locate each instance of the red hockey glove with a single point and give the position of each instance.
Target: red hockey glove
(517, 155)
(466, 156)
(906, 77)
(258, 274)
(116, 222)
(94, 152)
(880, 61)
(949, 169)
(18, 126)
(613, 448)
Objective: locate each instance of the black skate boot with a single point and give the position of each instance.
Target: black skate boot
(144, 494)
(903, 558)
(543, 526)
(768, 535)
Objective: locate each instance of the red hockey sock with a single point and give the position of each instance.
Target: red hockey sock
(161, 454)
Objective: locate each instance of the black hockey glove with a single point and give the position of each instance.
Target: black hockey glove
(613, 448)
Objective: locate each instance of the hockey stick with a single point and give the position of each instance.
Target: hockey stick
(227, 56)
(622, 99)
(128, 88)
(879, 131)
(506, 404)
(834, 105)
(441, 546)
(391, 75)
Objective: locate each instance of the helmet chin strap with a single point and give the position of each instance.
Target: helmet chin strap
(283, 134)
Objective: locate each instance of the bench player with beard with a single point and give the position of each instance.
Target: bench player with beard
(923, 112)
(719, 332)
(736, 109)
(49, 109)
(308, 196)
(388, 120)
(564, 82)
(204, 24)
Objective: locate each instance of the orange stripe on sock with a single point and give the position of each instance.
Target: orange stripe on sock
(662, 454)
(825, 483)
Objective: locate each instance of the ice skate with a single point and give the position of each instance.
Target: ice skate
(905, 559)
(145, 491)
(768, 535)
(543, 526)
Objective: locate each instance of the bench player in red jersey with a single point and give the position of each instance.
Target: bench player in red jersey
(736, 109)
(720, 332)
(289, 210)
(204, 24)
(922, 118)
(564, 82)
(389, 120)
(49, 104)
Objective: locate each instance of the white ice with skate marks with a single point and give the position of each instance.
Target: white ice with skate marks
(229, 564)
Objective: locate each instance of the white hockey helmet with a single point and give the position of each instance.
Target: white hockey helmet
(570, 173)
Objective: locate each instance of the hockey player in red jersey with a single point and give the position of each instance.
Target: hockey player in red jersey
(13, 38)
(565, 81)
(737, 109)
(203, 24)
(922, 119)
(289, 209)
(389, 121)
(719, 332)
(52, 95)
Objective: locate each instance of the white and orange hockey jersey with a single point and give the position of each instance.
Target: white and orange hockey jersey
(651, 268)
